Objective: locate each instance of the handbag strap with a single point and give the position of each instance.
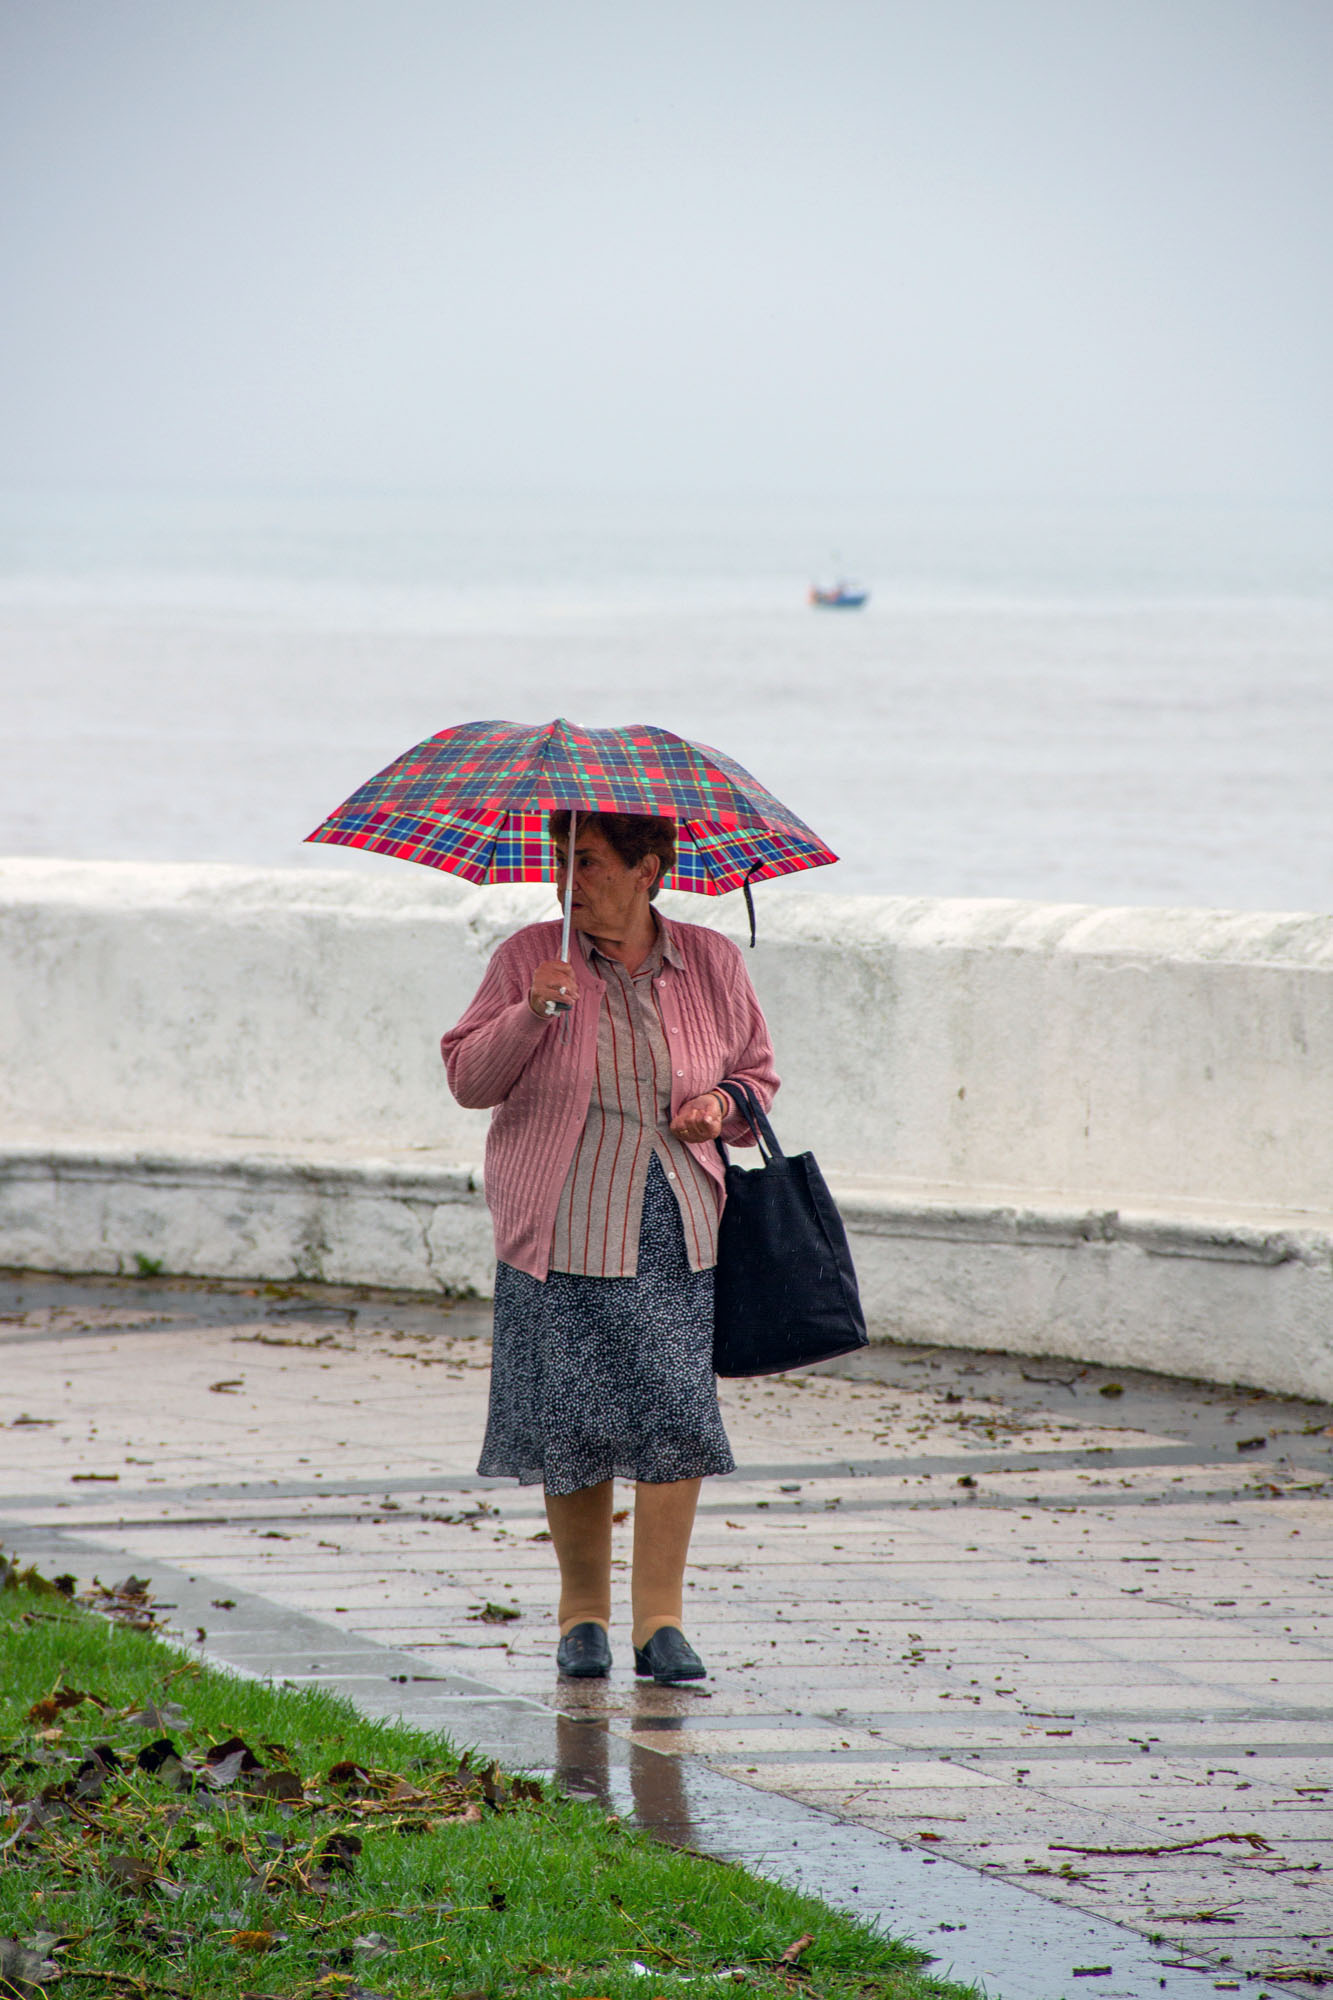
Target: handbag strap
(755, 1117)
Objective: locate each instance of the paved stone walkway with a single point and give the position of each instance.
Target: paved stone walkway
(1011, 1614)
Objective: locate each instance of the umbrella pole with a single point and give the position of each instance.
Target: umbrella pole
(569, 885)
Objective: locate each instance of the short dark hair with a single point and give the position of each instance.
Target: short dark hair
(630, 836)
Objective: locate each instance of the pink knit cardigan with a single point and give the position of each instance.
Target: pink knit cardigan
(537, 1081)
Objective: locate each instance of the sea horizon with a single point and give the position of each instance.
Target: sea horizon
(1094, 702)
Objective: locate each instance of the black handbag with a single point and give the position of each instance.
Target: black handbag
(785, 1291)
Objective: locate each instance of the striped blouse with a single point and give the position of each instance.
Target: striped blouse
(629, 1113)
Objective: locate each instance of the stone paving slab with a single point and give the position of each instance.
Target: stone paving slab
(984, 1663)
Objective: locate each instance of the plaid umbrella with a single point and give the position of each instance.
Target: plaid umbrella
(474, 800)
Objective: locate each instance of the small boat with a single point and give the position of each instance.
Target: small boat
(840, 596)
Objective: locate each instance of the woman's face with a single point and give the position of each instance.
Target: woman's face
(608, 896)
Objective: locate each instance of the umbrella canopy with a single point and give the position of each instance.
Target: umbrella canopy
(474, 800)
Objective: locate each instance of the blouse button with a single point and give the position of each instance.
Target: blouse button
(680, 1072)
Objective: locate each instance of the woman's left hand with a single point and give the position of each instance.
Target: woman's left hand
(698, 1120)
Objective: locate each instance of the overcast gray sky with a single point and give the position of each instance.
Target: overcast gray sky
(904, 246)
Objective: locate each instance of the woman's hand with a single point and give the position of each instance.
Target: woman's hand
(700, 1119)
(553, 990)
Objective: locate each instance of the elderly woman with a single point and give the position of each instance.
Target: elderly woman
(605, 1188)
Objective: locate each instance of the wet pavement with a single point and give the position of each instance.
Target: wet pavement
(968, 1620)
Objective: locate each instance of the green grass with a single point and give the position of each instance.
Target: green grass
(157, 1882)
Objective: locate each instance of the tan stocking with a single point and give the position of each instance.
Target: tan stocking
(663, 1521)
(580, 1525)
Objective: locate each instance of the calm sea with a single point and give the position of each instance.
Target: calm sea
(1110, 706)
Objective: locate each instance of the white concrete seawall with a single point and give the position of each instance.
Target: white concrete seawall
(1053, 1129)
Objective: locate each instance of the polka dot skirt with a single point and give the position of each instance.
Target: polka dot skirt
(602, 1378)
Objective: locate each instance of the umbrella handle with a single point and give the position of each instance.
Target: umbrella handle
(569, 885)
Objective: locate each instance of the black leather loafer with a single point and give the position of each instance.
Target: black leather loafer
(584, 1654)
(668, 1657)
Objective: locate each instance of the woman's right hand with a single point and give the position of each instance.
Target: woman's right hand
(553, 989)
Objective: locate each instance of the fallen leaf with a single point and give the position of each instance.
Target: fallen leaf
(232, 1746)
(348, 1774)
(130, 1586)
(279, 1785)
(469, 1816)
(372, 1944)
(156, 1715)
(109, 1478)
(31, 1578)
(46, 1941)
(24, 1972)
(127, 1602)
(338, 1853)
(129, 1871)
(93, 1772)
(794, 1950)
(227, 1388)
(497, 1614)
(253, 1940)
(59, 1699)
(401, 1793)
(221, 1772)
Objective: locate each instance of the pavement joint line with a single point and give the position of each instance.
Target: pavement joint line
(979, 1503)
(990, 1462)
(876, 1719)
(1032, 1941)
(1043, 1753)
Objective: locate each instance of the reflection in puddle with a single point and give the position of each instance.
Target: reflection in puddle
(656, 1793)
